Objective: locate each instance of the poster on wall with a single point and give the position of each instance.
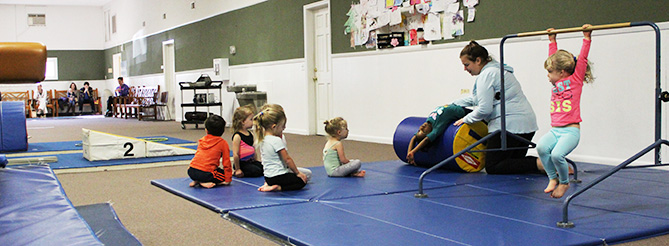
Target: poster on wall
(409, 22)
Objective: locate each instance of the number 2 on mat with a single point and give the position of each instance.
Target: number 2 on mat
(130, 147)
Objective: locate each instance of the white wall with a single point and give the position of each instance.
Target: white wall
(84, 22)
(374, 92)
(132, 14)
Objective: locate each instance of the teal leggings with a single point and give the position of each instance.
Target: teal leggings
(553, 149)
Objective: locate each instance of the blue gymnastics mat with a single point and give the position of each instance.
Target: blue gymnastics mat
(34, 210)
(243, 194)
(102, 218)
(461, 208)
(72, 145)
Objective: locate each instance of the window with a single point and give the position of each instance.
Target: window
(51, 68)
(113, 24)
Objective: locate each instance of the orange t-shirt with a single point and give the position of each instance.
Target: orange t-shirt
(210, 149)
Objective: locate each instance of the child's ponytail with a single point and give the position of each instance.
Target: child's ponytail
(265, 119)
(260, 129)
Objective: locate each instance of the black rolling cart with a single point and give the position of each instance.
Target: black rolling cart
(203, 98)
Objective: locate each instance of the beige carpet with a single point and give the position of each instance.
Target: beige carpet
(157, 217)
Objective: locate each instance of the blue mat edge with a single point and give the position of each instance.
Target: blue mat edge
(118, 220)
(62, 191)
(266, 229)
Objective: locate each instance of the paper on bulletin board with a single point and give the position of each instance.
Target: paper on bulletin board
(471, 14)
(447, 25)
(383, 19)
(395, 17)
(453, 7)
(414, 21)
(432, 29)
(458, 28)
(439, 6)
(470, 3)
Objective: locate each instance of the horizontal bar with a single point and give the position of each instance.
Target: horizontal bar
(574, 29)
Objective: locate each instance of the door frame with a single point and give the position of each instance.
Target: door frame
(309, 52)
(168, 46)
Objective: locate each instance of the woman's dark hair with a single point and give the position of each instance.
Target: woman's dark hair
(474, 50)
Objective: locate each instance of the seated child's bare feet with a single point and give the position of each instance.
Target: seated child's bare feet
(360, 173)
(208, 185)
(551, 186)
(238, 173)
(193, 184)
(266, 188)
(560, 190)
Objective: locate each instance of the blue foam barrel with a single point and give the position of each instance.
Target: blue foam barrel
(13, 131)
(454, 139)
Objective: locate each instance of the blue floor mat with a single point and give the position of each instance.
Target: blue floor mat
(243, 192)
(35, 211)
(105, 223)
(72, 145)
(220, 199)
(461, 208)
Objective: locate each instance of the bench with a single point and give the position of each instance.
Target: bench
(20, 96)
(137, 99)
(63, 94)
(50, 104)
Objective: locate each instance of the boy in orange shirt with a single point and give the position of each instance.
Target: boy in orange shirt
(204, 168)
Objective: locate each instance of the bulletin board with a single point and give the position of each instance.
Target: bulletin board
(489, 18)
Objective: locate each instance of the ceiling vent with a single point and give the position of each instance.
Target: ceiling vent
(36, 19)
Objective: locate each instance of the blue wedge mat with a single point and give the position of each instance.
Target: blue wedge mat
(108, 228)
(71, 145)
(76, 160)
(243, 192)
(34, 210)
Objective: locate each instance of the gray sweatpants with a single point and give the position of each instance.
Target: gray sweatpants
(347, 169)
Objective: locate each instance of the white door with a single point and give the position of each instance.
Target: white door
(170, 78)
(322, 74)
(116, 66)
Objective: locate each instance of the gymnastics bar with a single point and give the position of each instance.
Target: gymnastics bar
(565, 223)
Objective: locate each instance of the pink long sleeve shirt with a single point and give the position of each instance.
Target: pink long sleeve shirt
(566, 94)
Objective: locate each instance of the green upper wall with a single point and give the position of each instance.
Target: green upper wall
(274, 30)
(79, 64)
(267, 31)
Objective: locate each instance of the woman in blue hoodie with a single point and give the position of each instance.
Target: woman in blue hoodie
(520, 118)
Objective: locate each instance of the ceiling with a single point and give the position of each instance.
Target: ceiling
(57, 2)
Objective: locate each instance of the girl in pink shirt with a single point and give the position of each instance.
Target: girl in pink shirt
(567, 75)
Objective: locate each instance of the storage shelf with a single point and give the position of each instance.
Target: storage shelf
(201, 104)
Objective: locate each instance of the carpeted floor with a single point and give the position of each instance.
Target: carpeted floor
(157, 217)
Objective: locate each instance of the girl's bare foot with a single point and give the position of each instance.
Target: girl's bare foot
(360, 173)
(208, 185)
(560, 190)
(193, 184)
(266, 188)
(551, 186)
